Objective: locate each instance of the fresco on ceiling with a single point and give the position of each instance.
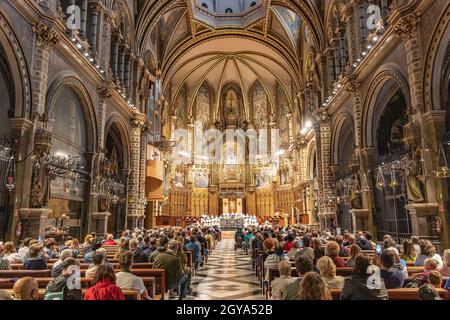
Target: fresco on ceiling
(180, 108)
(282, 111)
(202, 110)
(259, 102)
(291, 22)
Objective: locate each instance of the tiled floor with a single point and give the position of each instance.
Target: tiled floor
(228, 275)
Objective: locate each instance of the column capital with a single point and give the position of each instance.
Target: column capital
(104, 93)
(352, 85)
(322, 117)
(46, 36)
(406, 27)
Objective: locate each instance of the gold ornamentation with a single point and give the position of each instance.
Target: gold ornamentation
(46, 36)
(104, 93)
(406, 28)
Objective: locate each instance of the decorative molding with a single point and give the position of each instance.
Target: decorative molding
(406, 27)
(46, 36)
(104, 93)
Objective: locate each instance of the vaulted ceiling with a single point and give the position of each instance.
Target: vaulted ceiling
(186, 42)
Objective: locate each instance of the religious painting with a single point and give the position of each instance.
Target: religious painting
(291, 22)
(259, 102)
(180, 108)
(282, 119)
(262, 181)
(202, 110)
(179, 179)
(201, 181)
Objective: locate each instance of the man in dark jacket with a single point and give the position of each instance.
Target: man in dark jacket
(138, 253)
(162, 247)
(68, 283)
(363, 243)
(171, 263)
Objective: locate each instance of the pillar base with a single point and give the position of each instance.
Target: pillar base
(360, 219)
(135, 221)
(100, 222)
(422, 220)
(35, 221)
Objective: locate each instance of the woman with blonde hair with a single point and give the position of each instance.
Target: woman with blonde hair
(313, 287)
(355, 251)
(10, 254)
(327, 270)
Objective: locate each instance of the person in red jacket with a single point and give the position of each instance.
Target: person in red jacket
(104, 287)
(110, 241)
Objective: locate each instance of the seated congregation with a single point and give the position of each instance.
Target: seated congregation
(140, 265)
(307, 264)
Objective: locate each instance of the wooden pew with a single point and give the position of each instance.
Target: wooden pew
(149, 283)
(129, 294)
(398, 294)
(116, 265)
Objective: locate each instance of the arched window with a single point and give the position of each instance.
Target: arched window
(204, 5)
(229, 10)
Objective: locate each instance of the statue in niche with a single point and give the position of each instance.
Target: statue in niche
(413, 184)
(311, 70)
(231, 107)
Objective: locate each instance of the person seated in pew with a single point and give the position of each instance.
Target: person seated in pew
(110, 240)
(183, 257)
(289, 242)
(428, 292)
(273, 259)
(57, 266)
(35, 260)
(279, 284)
(4, 263)
(104, 285)
(355, 251)
(392, 276)
(435, 279)
(50, 249)
(295, 248)
(10, 254)
(421, 278)
(23, 250)
(66, 286)
(26, 288)
(126, 280)
(74, 245)
(445, 269)
(313, 287)
(98, 259)
(369, 238)
(87, 258)
(343, 251)
(303, 265)
(148, 245)
(201, 239)
(351, 240)
(194, 245)
(306, 250)
(409, 252)
(427, 250)
(365, 283)
(210, 238)
(319, 251)
(5, 295)
(138, 253)
(362, 242)
(162, 247)
(327, 270)
(171, 263)
(332, 250)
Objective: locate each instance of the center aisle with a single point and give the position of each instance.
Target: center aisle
(228, 275)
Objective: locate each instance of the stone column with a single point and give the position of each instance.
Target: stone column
(46, 39)
(142, 166)
(104, 93)
(133, 213)
(95, 7)
(84, 12)
(108, 21)
(328, 210)
(122, 64)
(115, 56)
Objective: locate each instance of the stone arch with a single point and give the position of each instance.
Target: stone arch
(82, 93)
(311, 159)
(116, 122)
(385, 84)
(436, 79)
(18, 70)
(342, 130)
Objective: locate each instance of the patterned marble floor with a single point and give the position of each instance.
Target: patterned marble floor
(228, 275)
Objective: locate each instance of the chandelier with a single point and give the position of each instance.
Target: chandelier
(443, 170)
